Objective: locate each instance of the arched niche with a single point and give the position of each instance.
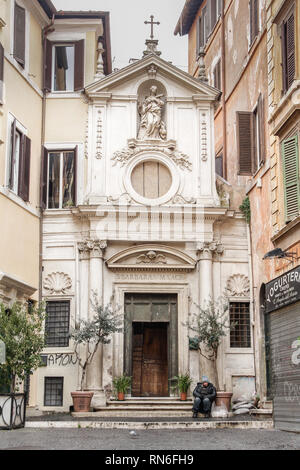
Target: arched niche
(144, 91)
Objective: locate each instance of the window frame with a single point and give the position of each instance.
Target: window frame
(53, 68)
(62, 395)
(58, 346)
(240, 349)
(75, 156)
(17, 187)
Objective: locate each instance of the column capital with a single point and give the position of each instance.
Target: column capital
(91, 248)
(206, 250)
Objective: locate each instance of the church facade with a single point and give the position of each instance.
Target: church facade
(133, 216)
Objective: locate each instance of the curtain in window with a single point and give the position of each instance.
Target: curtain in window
(68, 179)
(54, 167)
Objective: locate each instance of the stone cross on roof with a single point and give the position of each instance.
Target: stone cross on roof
(152, 23)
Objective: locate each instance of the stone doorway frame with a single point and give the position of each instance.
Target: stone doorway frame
(156, 287)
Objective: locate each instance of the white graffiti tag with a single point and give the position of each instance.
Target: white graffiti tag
(296, 354)
(291, 392)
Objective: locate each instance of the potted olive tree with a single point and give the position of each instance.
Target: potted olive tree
(210, 324)
(182, 384)
(21, 331)
(87, 337)
(121, 385)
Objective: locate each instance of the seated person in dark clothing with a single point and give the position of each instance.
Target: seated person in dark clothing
(205, 395)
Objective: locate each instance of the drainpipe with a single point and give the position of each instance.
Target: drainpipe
(252, 302)
(46, 30)
(223, 44)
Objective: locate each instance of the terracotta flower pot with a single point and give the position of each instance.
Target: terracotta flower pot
(82, 401)
(223, 398)
(183, 396)
(121, 396)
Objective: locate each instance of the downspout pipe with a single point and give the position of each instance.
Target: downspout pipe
(46, 30)
(223, 68)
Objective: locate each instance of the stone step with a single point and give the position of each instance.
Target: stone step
(157, 403)
(262, 412)
(142, 408)
(121, 413)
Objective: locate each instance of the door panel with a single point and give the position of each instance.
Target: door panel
(150, 359)
(150, 342)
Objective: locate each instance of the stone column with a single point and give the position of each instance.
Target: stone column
(84, 261)
(206, 250)
(95, 370)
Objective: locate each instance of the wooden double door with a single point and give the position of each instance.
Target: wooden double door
(150, 343)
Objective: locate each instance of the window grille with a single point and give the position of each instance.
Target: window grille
(53, 393)
(57, 324)
(240, 334)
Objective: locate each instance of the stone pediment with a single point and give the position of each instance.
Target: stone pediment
(151, 65)
(151, 257)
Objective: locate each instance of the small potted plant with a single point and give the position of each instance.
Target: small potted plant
(90, 334)
(183, 383)
(121, 385)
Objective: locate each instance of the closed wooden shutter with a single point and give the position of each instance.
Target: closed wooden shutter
(74, 195)
(198, 41)
(19, 35)
(244, 139)
(254, 27)
(261, 121)
(12, 153)
(290, 50)
(217, 76)
(79, 65)
(48, 66)
(44, 182)
(213, 14)
(1, 72)
(24, 169)
(291, 177)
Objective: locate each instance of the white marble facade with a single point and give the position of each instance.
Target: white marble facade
(118, 241)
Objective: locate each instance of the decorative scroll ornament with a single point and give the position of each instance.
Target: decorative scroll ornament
(178, 199)
(151, 257)
(179, 158)
(57, 283)
(238, 285)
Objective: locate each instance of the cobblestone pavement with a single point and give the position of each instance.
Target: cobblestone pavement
(98, 439)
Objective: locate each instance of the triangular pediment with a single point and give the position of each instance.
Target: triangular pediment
(151, 257)
(196, 87)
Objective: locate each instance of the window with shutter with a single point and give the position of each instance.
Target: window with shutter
(1, 72)
(245, 146)
(64, 66)
(19, 165)
(61, 179)
(290, 155)
(19, 34)
(288, 51)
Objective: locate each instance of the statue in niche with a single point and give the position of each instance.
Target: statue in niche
(152, 126)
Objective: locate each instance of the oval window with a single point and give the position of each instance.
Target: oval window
(151, 179)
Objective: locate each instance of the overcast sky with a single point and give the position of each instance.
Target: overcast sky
(128, 31)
